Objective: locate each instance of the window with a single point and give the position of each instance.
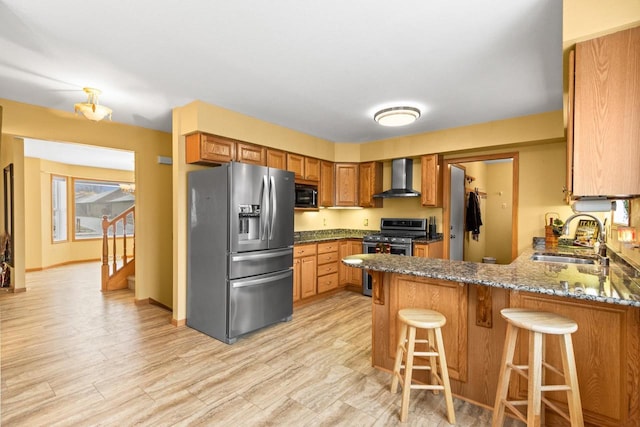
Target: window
(93, 199)
(59, 208)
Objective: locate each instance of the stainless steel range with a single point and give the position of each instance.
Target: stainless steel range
(396, 237)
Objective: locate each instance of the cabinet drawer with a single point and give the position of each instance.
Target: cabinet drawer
(328, 282)
(327, 268)
(328, 257)
(304, 250)
(327, 247)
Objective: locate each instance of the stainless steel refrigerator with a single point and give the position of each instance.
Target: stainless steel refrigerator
(239, 249)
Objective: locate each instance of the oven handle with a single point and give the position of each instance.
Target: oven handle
(407, 247)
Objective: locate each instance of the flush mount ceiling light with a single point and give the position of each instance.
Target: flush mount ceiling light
(91, 109)
(397, 116)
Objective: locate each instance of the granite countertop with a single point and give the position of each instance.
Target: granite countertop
(330, 234)
(342, 233)
(619, 283)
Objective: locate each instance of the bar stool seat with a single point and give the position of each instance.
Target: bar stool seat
(538, 324)
(410, 320)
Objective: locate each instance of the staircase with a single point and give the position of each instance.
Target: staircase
(118, 268)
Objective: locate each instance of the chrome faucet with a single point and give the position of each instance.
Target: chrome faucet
(602, 251)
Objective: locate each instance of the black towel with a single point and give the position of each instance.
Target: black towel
(474, 218)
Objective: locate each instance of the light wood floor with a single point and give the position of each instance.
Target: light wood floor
(71, 355)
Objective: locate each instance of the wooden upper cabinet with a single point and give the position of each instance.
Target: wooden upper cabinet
(370, 181)
(346, 177)
(325, 187)
(295, 164)
(304, 168)
(205, 149)
(606, 116)
(432, 174)
(311, 169)
(250, 153)
(276, 159)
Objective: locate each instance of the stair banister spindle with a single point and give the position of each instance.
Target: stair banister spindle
(114, 276)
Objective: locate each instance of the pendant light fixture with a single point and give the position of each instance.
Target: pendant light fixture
(397, 116)
(91, 109)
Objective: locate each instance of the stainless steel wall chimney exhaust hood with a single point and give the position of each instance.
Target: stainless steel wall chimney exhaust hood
(401, 180)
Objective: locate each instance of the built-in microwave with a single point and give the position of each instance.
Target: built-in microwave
(306, 196)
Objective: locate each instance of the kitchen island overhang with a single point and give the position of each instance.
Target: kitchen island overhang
(613, 284)
(471, 295)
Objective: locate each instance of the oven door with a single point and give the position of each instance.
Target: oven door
(404, 249)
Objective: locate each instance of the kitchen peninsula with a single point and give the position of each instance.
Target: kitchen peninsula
(604, 301)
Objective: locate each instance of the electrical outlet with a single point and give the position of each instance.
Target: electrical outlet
(324, 222)
(366, 222)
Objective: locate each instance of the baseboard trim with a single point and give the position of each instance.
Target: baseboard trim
(178, 323)
(29, 270)
(159, 304)
(13, 290)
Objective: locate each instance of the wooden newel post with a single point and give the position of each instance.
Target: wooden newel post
(105, 253)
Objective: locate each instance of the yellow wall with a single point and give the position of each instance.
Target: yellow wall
(38, 175)
(586, 19)
(499, 203)
(153, 184)
(518, 130)
(11, 152)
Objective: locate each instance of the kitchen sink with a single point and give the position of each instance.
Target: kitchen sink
(571, 259)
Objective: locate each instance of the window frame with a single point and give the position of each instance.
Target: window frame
(75, 180)
(55, 177)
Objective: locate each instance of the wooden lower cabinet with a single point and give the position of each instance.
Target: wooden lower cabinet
(355, 274)
(448, 298)
(328, 266)
(428, 250)
(350, 275)
(304, 271)
(607, 353)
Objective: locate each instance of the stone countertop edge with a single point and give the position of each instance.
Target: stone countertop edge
(616, 284)
(301, 237)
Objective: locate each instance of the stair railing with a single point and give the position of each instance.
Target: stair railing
(114, 275)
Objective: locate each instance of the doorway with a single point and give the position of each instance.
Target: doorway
(70, 186)
(498, 195)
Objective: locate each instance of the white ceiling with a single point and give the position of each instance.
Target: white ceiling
(320, 67)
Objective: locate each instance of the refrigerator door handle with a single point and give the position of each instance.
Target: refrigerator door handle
(260, 254)
(260, 280)
(274, 204)
(264, 219)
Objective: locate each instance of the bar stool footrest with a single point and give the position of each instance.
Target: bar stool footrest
(556, 409)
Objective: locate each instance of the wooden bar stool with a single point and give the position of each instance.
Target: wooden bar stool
(539, 324)
(411, 319)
